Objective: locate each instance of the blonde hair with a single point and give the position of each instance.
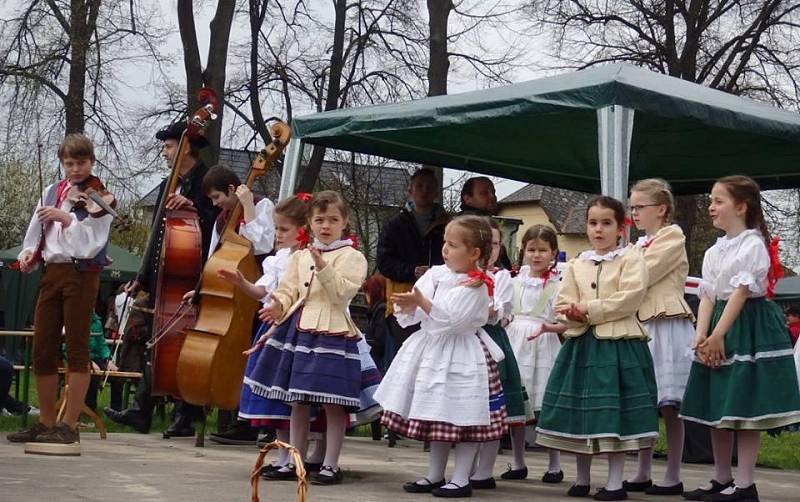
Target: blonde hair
(660, 192)
(477, 233)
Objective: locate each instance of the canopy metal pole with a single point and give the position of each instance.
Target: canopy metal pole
(291, 166)
(614, 131)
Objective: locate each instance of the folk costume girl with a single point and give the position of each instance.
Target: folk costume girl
(533, 333)
(668, 321)
(518, 408)
(315, 341)
(443, 386)
(289, 218)
(601, 395)
(743, 379)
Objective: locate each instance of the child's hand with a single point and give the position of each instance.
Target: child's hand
(49, 214)
(234, 276)
(27, 263)
(537, 333)
(271, 312)
(188, 296)
(258, 345)
(714, 350)
(94, 366)
(316, 255)
(177, 201)
(245, 195)
(698, 341)
(408, 302)
(111, 366)
(573, 311)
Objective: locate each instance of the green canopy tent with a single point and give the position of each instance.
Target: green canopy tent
(590, 130)
(18, 291)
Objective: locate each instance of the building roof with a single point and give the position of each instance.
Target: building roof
(566, 209)
(385, 186)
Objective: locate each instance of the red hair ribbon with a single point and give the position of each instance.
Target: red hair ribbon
(551, 272)
(304, 196)
(303, 238)
(775, 268)
(479, 276)
(627, 221)
(353, 237)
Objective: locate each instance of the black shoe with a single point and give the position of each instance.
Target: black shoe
(515, 473)
(138, 421)
(483, 484)
(268, 468)
(236, 435)
(579, 491)
(312, 466)
(603, 494)
(636, 486)
(414, 487)
(553, 477)
(335, 478)
(179, 429)
(702, 493)
(279, 475)
(665, 490)
(749, 494)
(452, 493)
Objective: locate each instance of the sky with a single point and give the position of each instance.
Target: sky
(240, 32)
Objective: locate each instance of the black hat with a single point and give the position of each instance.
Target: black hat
(174, 131)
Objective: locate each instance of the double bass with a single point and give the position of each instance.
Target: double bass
(179, 261)
(210, 367)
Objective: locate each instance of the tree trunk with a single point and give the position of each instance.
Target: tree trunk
(439, 61)
(439, 64)
(83, 17)
(214, 74)
(258, 10)
(311, 172)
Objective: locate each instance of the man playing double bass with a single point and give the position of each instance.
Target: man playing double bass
(189, 193)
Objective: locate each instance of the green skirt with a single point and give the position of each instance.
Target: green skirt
(518, 406)
(601, 397)
(756, 387)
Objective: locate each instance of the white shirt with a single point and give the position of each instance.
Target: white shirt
(530, 289)
(122, 307)
(273, 268)
(732, 262)
(260, 230)
(455, 309)
(81, 239)
(503, 296)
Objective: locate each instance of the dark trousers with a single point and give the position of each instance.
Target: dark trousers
(6, 375)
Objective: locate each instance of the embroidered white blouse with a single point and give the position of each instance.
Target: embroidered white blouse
(530, 289)
(81, 239)
(455, 309)
(735, 261)
(503, 296)
(260, 230)
(272, 269)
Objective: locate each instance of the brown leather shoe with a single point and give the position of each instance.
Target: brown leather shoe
(61, 433)
(27, 435)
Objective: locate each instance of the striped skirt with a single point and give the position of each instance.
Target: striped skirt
(297, 366)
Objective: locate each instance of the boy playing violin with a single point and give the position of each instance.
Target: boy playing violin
(71, 245)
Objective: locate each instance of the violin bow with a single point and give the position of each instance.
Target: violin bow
(117, 343)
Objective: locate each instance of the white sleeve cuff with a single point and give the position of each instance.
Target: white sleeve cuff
(705, 288)
(745, 278)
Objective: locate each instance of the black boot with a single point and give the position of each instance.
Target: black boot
(131, 418)
(183, 423)
(240, 433)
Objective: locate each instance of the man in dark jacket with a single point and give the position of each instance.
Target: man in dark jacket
(412, 241)
(189, 193)
(478, 198)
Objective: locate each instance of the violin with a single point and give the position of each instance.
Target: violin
(91, 195)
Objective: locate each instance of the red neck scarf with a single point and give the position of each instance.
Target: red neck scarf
(476, 276)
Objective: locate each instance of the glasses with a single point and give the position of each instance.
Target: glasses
(638, 208)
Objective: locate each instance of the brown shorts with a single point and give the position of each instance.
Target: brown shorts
(66, 300)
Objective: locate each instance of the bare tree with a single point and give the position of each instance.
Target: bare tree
(58, 65)
(744, 47)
